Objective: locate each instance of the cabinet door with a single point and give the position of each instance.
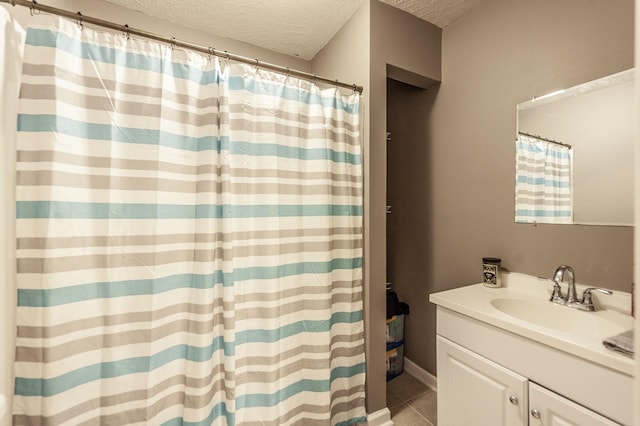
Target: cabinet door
(473, 390)
(550, 409)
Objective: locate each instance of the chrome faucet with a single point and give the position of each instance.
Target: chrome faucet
(558, 277)
(571, 299)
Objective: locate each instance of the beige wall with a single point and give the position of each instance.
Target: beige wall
(500, 54)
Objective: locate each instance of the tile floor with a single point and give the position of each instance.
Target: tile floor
(411, 403)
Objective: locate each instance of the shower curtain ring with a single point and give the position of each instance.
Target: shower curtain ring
(80, 23)
(127, 31)
(33, 6)
(173, 43)
(257, 64)
(212, 53)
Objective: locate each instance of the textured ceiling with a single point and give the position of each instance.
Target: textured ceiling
(438, 12)
(294, 27)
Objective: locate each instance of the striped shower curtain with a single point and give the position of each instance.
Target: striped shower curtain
(189, 239)
(543, 181)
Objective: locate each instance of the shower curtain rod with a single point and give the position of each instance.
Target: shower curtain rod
(545, 139)
(34, 5)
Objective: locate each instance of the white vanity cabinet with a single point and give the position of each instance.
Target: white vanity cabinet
(476, 390)
(491, 376)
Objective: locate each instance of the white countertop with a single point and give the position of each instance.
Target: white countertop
(614, 311)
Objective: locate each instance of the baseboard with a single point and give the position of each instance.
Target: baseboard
(421, 374)
(380, 418)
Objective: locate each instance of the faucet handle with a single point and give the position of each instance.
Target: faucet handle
(556, 293)
(587, 300)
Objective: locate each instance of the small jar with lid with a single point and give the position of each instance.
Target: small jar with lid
(491, 267)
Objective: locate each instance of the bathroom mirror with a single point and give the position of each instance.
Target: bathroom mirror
(597, 120)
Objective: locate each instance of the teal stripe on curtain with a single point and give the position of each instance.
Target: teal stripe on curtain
(89, 291)
(543, 213)
(296, 152)
(542, 181)
(260, 335)
(108, 132)
(70, 127)
(211, 291)
(107, 370)
(78, 210)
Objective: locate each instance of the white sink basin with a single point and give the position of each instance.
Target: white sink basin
(557, 317)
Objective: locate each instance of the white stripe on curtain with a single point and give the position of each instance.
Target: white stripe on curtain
(543, 181)
(189, 239)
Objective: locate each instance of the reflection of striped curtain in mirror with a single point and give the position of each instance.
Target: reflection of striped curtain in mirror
(543, 181)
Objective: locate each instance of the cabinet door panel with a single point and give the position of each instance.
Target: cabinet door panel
(555, 410)
(475, 391)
